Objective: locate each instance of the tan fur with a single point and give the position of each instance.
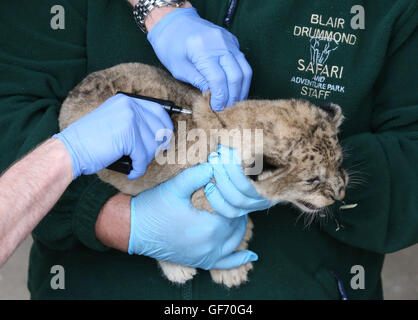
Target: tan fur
(299, 143)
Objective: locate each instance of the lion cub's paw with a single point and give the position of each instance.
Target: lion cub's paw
(231, 277)
(177, 273)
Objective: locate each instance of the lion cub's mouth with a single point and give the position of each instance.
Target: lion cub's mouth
(308, 205)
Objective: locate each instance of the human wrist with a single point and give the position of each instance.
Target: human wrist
(157, 14)
(75, 165)
(61, 157)
(113, 223)
(134, 245)
(158, 31)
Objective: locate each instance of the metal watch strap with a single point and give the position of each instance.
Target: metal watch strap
(144, 7)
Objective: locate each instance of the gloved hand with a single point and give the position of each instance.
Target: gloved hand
(232, 195)
(203, 54)
(165, 226)
(120, 126)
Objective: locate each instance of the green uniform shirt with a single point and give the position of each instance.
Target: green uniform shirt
(370, 72)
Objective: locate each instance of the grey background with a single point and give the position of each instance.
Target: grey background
(400, 276)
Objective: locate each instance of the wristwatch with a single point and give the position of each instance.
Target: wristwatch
(144, 7)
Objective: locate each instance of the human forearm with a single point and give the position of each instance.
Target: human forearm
(29, 189)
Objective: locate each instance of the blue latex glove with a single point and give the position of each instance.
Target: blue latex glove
(165, 226)
(232, 194)
(203, 54)
(120, 126)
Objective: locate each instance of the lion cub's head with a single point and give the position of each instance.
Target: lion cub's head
(302, 159)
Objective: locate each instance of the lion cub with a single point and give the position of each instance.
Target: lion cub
(301, 156)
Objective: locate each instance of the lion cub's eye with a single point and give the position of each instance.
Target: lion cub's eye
(316, 179)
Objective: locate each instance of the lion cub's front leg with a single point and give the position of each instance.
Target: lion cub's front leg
(231, 277)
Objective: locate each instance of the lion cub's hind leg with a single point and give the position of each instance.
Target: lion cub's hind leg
(237, 276)
(231, 277)
(177, 273)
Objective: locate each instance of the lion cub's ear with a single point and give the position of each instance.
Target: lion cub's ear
(334, 113)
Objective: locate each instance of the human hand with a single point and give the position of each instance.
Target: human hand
(120, 126)
(232, 195)
(165, 226)
(203, 54)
